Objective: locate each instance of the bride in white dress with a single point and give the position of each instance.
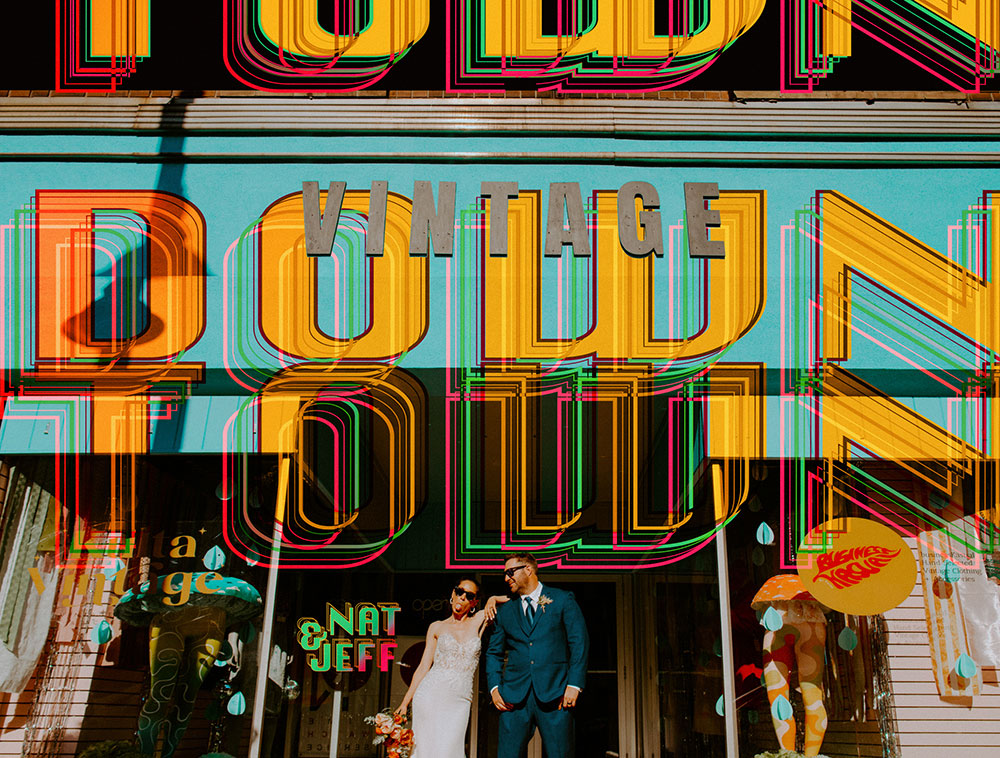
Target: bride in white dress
(441, 689)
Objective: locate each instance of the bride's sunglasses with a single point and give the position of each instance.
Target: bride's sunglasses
(467, 594)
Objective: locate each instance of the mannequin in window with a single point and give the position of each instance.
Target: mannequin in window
(799, 642)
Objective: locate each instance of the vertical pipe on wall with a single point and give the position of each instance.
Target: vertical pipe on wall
(726, 622)
(264, 655)
(338, 696)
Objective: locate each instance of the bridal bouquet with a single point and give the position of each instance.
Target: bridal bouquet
(391, 731)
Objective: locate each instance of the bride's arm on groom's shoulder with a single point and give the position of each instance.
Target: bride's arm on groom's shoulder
(422, 668)
(489, 611)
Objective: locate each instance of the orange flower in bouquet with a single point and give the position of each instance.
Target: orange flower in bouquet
(392, 732)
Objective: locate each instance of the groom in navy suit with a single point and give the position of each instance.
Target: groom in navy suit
(545, 639)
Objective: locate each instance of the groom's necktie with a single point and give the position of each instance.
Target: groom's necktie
(529, 611)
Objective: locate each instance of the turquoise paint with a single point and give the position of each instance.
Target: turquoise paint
(231, 196)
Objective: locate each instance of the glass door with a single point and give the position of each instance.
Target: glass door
(678, 659)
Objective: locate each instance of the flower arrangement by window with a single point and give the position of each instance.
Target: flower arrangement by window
(392, 732)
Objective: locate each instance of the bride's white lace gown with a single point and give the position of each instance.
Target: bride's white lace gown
(442, 702)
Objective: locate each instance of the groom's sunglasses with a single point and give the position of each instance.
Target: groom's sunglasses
(467, 594)
(509, 573)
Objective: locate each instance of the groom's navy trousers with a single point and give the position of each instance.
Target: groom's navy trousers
(541, 659)
(517, 726)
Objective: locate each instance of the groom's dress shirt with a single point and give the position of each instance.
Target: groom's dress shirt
(532, 597)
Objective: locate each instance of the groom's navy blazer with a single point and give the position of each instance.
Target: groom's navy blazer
(544, 656)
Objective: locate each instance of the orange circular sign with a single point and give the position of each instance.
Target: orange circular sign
(857, 566)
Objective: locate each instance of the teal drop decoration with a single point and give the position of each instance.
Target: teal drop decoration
(765, 535)
(950, 572)
(781, 709)
(757, 556)
(237, 704)
(248, 633)
(772, 620)
(214, 559)
(720, 705)
(225, 653)
(847, 639)
(116, 565)
(965, 667)
(753, 717)
(221, 493)
(717, 647)
(102, 633)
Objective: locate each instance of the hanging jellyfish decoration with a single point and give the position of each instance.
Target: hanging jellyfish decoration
(794, 636)
(187, 615)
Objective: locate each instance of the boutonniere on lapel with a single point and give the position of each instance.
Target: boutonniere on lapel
(543, 600)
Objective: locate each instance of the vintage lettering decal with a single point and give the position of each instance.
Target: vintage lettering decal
(857, 566)
(846, 568)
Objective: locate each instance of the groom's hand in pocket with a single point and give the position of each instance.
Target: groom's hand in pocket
(499, 702)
